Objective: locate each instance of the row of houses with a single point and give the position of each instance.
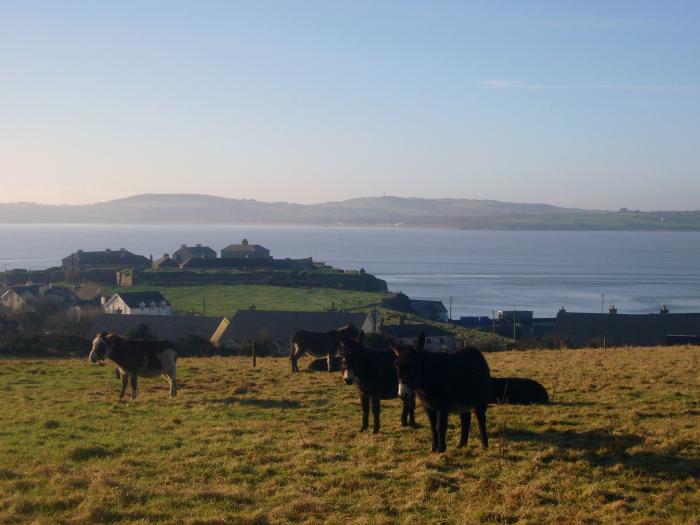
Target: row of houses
(584, 328)
(28, 297)
(81, 261)
(185, 254)
(276, 327)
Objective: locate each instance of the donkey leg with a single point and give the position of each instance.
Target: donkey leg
(364, 399)
(442, 430)
(294, 357)
(412, 410)
(133, 386)
(173, 384)
(329, 360)
(125, 381)
(481, 418)
(376, 407)
(432, 418)
(404, 412)
(465, 419)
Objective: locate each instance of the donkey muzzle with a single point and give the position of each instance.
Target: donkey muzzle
(348, 377)
(404, 390)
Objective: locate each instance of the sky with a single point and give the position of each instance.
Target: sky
(585, 104)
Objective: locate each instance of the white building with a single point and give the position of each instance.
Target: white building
(137, 303)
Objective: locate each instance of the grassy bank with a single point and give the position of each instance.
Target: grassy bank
(225, 299)
(619, 443)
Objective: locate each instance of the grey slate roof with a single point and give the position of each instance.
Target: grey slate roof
(134, 299)
(186, 252)
(281, 325)
(624, 329)
(405, 331)
(162, 326)
(119, 257)
(428, 309)
(165, 262)
(245, 247)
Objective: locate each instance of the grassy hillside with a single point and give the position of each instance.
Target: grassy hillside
(225, 299)
(620, 443)
(452, 213)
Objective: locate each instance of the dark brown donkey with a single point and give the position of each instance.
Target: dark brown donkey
(458, 382)
(374, 373)
(517, 391)
(319, 344)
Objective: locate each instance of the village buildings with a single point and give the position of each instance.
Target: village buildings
(245, 250)
(432, 310)
(185, 253)
(111, 260)
(24, 298)
(137, 303)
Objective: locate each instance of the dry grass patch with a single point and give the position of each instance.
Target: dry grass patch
(620, 442)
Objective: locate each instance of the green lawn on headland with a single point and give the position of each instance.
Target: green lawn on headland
(224, 299)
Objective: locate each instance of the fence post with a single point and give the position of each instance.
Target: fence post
(255, 345)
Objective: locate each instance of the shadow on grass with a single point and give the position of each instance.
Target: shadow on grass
(574, 403)
(605, 450)
(259, 403)
(90, 452)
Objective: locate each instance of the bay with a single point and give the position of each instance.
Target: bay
(481, 271)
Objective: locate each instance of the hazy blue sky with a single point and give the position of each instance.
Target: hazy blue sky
(590, 104)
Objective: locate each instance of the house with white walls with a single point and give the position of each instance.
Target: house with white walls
(137, 303)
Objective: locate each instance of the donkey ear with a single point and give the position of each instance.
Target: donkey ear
(420, 344)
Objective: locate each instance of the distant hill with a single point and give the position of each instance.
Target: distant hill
(370, 211)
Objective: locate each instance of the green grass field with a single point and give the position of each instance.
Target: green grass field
(225, 299)
(619, 444)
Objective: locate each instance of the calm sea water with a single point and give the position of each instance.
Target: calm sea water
(481, 271)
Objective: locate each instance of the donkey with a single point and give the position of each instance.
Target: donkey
(324, 344)
(136, 357)
(444, 383)
(374, 373)
(517, 391)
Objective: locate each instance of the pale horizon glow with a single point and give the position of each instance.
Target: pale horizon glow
(593, 105)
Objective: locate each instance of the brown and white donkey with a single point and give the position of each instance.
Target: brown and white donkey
(136, 357)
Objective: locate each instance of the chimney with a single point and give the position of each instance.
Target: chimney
(183, 246)
(166, 256)
(664, 310)
(108, 250)
(199, 245)
(612, 310)
(562, 310)
(244, 242)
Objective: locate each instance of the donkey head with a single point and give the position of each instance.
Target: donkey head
(350, 352)
(348, 332)
(407, 364)
(100, 347)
